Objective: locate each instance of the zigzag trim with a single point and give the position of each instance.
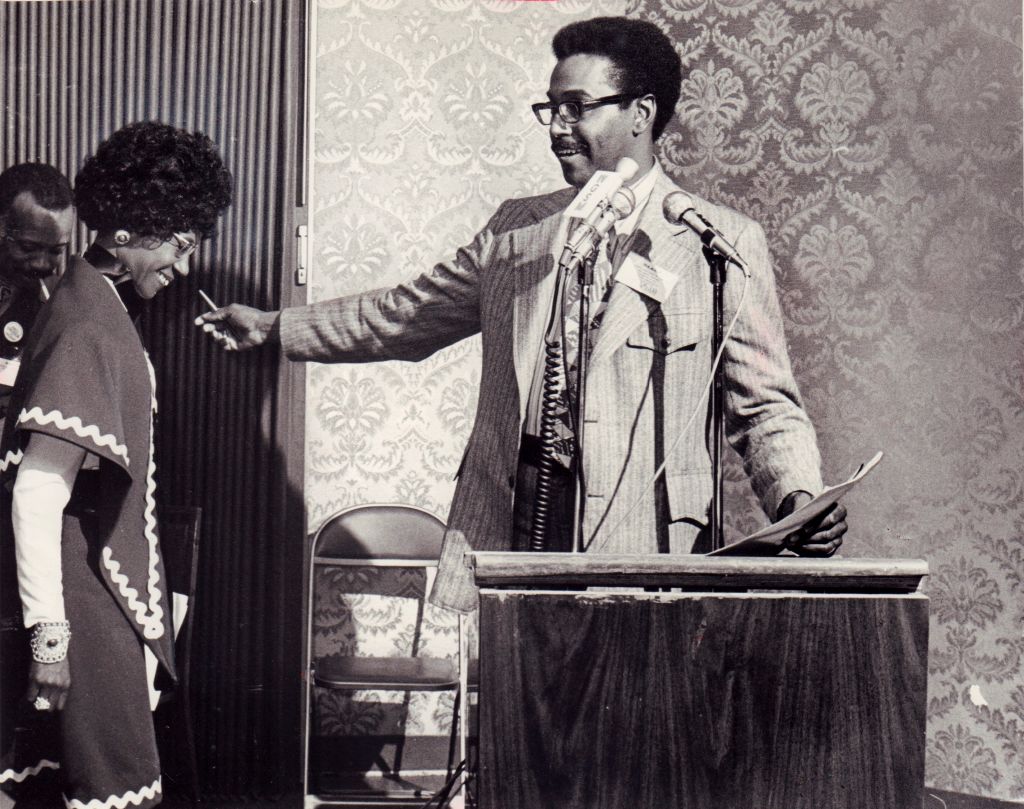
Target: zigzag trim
(13, 458)
(21, 775)
(150, 616)
(92, 432)
(119, 801)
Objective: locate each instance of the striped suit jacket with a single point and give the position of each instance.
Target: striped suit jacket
(648, 368)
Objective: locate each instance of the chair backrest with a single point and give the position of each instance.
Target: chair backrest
(393, 534)
(339, 651)
(179, 547)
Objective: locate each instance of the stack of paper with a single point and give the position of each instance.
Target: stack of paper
(772, 538)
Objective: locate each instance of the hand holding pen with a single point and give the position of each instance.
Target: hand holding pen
(236, 327)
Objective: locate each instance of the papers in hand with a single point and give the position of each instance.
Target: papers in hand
(771, 538)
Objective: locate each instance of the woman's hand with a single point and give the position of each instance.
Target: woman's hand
(49, 681)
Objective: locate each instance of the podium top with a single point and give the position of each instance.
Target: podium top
(560, 570)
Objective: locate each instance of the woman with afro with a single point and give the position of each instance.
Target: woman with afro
(84, 602)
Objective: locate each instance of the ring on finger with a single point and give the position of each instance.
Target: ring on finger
(41, 704)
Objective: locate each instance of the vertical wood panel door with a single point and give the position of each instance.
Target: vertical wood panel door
(230, 426)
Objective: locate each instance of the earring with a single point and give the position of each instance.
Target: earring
(122, 237)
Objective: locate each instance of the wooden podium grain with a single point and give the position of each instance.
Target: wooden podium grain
(777, 683)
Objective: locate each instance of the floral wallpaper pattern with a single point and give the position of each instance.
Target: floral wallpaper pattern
(877, 141)
(423, 126)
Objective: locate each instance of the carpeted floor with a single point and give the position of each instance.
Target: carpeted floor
(934, 799)
(937, 799)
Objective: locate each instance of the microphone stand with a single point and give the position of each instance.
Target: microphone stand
(716, 264)
(596, 227)
(586, 281)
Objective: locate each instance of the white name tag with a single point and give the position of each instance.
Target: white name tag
(641, 276)
(9, 371)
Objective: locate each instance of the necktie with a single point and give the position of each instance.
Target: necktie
(604, 269)
(605, 263)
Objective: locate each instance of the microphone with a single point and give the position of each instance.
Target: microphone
(678, 209)
(586, 238)
(598, 190)
(613, 202)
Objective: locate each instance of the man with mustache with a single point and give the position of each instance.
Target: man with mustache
(612, 92)
(36, 217)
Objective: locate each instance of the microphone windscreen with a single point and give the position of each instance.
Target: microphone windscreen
(626, 168)
(623, 201)
(675, 205)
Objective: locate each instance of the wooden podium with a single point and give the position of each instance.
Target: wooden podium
(717, 683)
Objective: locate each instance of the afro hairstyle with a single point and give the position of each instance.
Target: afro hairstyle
(153, 179)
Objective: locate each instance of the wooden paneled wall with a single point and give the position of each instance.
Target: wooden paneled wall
(230, 427)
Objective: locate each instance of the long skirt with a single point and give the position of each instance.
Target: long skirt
(101, 748)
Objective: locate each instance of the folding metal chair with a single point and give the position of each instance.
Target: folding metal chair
(179, 544)
(374, 536)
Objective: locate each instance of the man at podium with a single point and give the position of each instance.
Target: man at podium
(644, 470)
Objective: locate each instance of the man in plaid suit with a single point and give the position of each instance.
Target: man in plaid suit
(611, 94)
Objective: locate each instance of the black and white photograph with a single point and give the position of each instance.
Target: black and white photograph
(512, 404)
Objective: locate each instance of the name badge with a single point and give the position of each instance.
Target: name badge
(641, 276)
(9, 371)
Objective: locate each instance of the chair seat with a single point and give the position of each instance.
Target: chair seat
(386, 673)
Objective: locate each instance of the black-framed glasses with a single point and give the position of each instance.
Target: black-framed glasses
(572, 111)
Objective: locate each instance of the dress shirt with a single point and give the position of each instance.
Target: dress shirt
(603, 278)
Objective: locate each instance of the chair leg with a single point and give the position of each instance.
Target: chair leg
(307, 733)
(191, 765)
(462, 701)
(464, 691)
(455, 738)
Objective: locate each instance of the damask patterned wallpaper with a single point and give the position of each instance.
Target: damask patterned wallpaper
(878, 142)
(423, 127)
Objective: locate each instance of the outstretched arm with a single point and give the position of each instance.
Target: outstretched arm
(409, 321)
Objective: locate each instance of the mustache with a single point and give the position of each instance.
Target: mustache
(27, 272)
(569, 143)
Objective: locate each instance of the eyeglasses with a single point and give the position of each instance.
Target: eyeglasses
(572, 111)
(183, 245)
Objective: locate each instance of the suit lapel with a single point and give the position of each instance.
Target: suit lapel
(672, 248)
(668, 247)
(534, 287)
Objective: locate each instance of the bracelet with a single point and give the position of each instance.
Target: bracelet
(49, 641)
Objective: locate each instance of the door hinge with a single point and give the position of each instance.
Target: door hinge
(301, 258)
